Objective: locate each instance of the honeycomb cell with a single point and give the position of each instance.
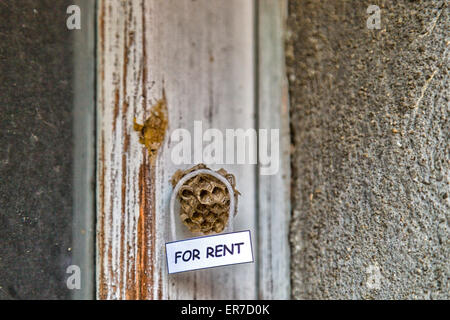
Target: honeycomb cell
(205, 200)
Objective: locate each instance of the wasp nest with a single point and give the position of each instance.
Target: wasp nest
(205, 200)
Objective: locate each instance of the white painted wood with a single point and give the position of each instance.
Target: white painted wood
(274, 190)
(201, 52)
(120, 92)
(209, 77)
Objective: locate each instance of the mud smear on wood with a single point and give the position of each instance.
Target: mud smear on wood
(152, 132)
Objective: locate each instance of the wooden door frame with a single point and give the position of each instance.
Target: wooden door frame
(224, 60)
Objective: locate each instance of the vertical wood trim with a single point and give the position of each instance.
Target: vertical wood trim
(84, 151)
(273, 190)
(125, 181)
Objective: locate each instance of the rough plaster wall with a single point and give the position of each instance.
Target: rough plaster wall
(36, 149)
(369, 112)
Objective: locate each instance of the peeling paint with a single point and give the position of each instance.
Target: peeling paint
(133, 59)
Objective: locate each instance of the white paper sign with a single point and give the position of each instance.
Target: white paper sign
(209, 251)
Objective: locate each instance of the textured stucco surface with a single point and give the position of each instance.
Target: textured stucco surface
(36, 149)
(370, 131)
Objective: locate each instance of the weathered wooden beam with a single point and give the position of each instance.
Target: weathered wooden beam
(273, 190)
(201, 53)
(200, 56)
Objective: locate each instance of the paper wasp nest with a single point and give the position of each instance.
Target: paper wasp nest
(204, 200)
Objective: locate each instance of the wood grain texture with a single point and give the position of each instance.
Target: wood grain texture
(207, 74)
(273, 190)
(202, 54)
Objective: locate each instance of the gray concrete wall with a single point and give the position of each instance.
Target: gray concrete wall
(36, 136)
(370, 130)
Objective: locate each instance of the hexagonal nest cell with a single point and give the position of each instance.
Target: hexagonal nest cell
(205, 200)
